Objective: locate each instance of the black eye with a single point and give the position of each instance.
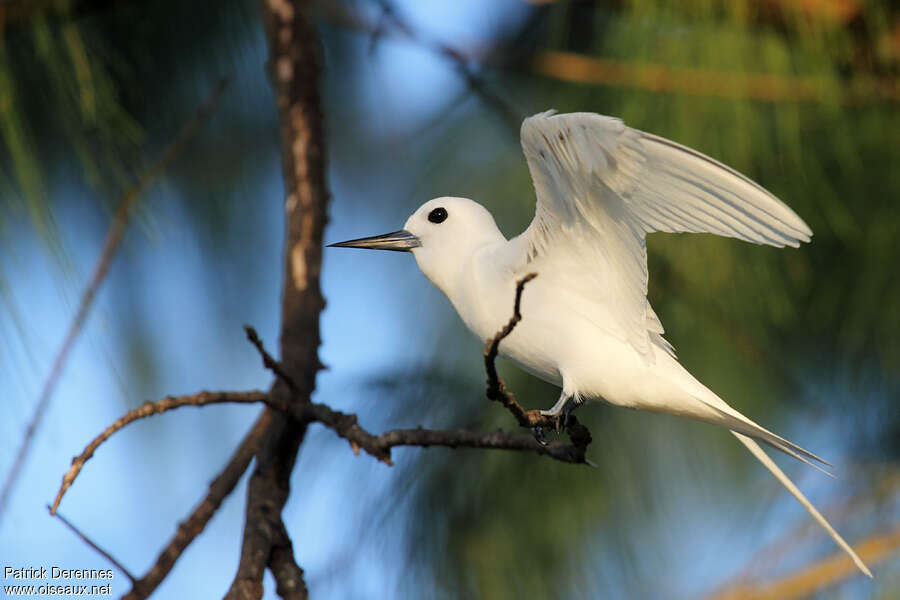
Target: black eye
(438, 215)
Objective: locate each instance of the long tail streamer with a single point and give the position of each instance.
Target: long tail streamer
(786, 482)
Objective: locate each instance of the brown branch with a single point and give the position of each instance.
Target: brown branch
(289, 583)
(269, 362)
(94, 546)
(764, 87)
(145, 410)
(343, 424)
(267, 543)
(496, 389)
(192, 526)
(294, 72)
(110, 247)
(379, 446)
(346, 426)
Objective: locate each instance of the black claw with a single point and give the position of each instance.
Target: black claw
(568, 413)
(538, 433)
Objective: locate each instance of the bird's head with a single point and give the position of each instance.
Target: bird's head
(441, 234)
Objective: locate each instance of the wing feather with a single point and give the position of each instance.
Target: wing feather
(602, 186)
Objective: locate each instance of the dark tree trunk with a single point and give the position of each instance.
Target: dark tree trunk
(294, 70)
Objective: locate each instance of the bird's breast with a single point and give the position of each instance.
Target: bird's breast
(565, 337)
(485, 302)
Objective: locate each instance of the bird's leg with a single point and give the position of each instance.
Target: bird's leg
(562, 409)
(555, 412)
(558, 407)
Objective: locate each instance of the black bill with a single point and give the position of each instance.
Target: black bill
(398, 241)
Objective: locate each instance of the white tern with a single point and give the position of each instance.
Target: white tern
(586, 323)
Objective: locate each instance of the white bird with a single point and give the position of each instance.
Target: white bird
(587, 325)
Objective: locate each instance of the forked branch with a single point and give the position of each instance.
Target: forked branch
(344, 425)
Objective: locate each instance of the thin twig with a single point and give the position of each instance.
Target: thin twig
(145, 410)
(110, 246)
(463, 64)
(96, 548)
(534, 419)
(496, 390)
(193, 525)
(269, 362)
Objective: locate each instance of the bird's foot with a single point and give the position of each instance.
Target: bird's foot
(538, 433)
(561, 413)
(560, 418)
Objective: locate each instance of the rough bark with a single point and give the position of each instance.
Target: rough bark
(294, 70)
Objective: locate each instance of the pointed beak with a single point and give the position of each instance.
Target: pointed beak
(398, 241)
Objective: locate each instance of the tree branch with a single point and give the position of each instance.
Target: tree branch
(269, 362)
(343, 424)
(94, 546)
(269, 544)
(289, 583)
(148, 409)
(266, 543)
(192, 526)
(379, 446)
(496, 389)
(294, 71)
(461, 62)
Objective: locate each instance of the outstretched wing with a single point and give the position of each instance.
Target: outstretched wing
(602, 186)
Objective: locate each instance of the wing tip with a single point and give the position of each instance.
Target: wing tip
(801, 231)
(803, 237)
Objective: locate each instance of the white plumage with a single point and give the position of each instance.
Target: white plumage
(587, 325)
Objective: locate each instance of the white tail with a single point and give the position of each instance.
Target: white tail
(780, 476)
